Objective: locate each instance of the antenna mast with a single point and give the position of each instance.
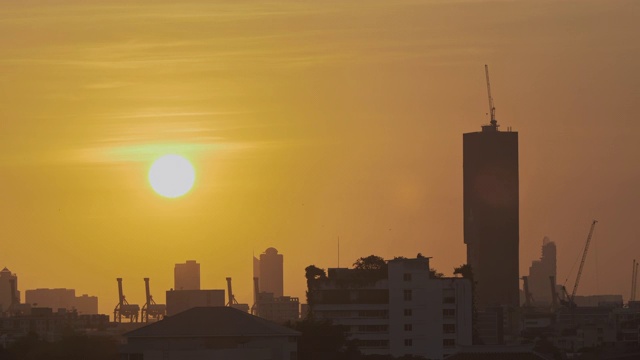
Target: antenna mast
(492, 108)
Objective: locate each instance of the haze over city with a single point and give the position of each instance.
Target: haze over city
(307, 122)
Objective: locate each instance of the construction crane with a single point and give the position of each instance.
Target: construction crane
(492, 108)
(571, 297)
(528, 302)
(123, 308)
(150, 309)
(584, 257)
(634, 280)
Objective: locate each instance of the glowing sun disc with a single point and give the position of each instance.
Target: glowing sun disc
(171, 176)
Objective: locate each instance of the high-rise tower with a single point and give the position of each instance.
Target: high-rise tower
(491, 211)
(270, 272)
(187, 276)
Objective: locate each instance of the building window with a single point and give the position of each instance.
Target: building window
(408, 312)
(408, 327)
(408, 296)
(448, 313)
(449, 328)
(407, 277)
(449, 342)
(449, 300)
(408, 342)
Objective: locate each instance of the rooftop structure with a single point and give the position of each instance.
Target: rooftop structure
(212, 333)
(187, 276)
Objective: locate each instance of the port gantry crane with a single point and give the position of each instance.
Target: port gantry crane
(123, 308)
(150, 309)
(571, 297)
(232, 299)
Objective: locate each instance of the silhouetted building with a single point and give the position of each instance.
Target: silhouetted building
(86, 305)
(62, 299)
(212, 333)
(48, 324)
(270, 272)
(6, 281)
(187, 276)
(398, 311)
(491, 214)
(540, 271)
(181, 300)
(277, 309)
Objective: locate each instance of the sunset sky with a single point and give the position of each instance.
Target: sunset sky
(307, 121)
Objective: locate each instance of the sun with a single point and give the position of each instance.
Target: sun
(171, 176)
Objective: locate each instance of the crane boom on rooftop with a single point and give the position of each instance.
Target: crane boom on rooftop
(492, 108)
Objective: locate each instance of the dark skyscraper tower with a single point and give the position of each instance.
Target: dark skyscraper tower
(491, 212)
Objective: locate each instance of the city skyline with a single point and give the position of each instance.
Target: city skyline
(307, 123)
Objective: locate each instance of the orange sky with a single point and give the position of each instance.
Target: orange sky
(307, 121)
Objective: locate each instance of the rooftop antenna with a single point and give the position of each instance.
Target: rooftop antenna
(492, 108)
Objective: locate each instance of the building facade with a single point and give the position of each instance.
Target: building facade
(277, 309)
(62, 299)
(491, 214)
(8, 289)
(270, 272)
(539, 273)
(181, 300)
(187, 276)
(401, 310)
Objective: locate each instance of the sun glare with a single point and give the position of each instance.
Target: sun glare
(171, 176)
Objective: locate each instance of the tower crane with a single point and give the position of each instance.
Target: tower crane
(584, 257)
(634, 280)
(492, 108)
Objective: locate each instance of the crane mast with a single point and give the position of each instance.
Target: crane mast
(492, 108)
(584, 257)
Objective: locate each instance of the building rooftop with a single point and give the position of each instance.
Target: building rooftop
(211, 322)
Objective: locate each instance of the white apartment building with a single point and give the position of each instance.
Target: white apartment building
(400, 311)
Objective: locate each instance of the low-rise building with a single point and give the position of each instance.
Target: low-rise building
(401, 310)
(277, 309)
(211, 333)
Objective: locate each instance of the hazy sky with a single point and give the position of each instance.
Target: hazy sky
(307, 121)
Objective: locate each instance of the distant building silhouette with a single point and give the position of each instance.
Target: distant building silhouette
(277, 309)
(62, 299)
(491, 214)
(402, 310)
(539, 273)
(270, 272)
(187, 276)
(49, 325)
(7, 281)
(181, 300)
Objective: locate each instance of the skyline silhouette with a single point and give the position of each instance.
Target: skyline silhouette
(306, 122)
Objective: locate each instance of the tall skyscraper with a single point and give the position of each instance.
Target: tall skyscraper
(270, 272)
(6, 280)
(539, 272)
(187, 276)
(491, 213)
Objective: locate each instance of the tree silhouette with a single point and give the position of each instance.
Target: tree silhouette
(371, 262)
